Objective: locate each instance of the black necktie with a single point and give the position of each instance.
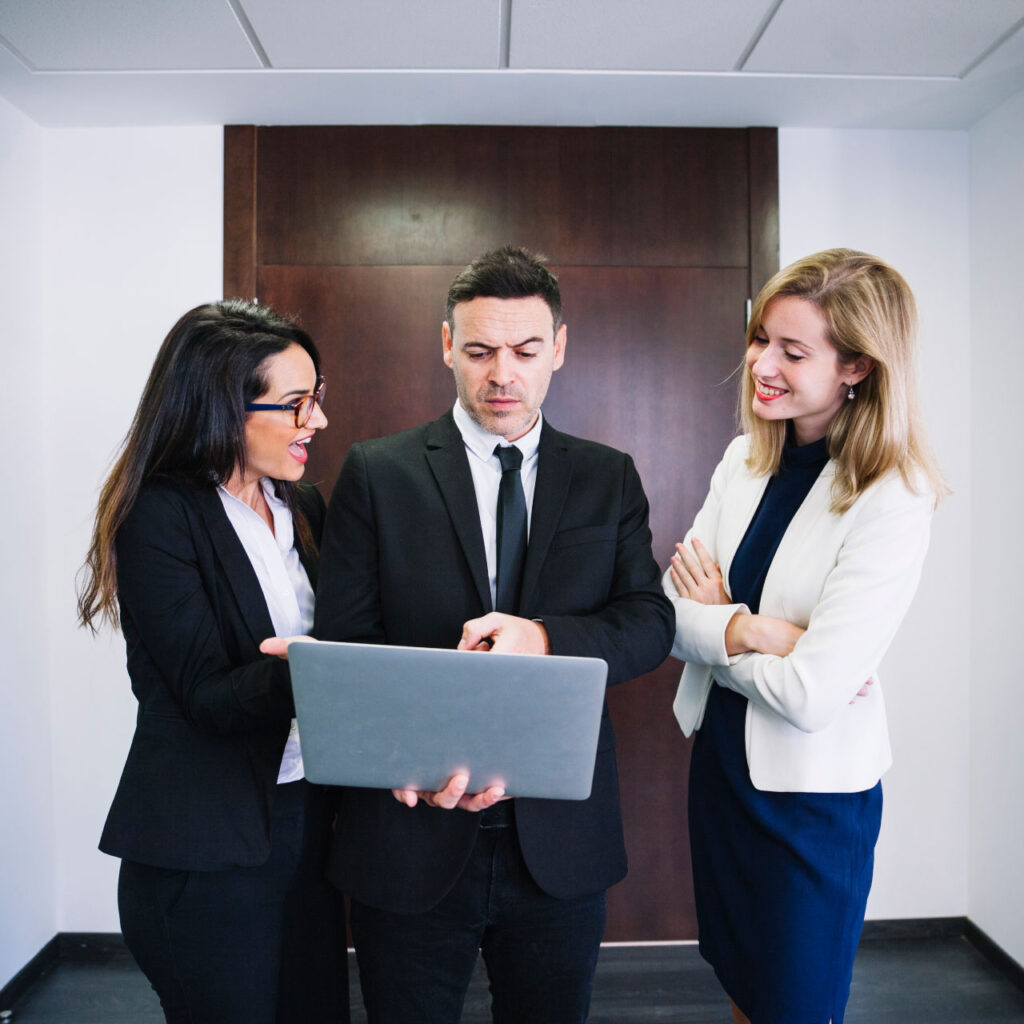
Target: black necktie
(511, 530)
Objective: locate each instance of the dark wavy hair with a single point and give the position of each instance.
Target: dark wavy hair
(190, 426)
(506, 273)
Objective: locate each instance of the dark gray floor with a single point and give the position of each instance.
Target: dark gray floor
(909, 981)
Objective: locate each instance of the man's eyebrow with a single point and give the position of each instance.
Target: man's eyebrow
(515, 344)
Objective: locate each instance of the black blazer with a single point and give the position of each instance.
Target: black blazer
(403, 562)
(214, 712)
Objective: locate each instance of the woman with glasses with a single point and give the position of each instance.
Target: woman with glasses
(205, 544)
(788, 589)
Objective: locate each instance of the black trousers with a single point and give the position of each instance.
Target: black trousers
(540, 952)
(247, 945)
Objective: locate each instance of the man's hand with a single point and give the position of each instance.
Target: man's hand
(278, 645)
(504, 634)
(453, 795)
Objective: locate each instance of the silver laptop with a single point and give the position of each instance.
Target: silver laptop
(411, 717)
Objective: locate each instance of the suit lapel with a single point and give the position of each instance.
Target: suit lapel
(554, 474)
(446, 457)
(238, 569)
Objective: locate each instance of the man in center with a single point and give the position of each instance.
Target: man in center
(488, 527)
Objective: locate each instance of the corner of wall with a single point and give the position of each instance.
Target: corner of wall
(27, 882)
(996, 547)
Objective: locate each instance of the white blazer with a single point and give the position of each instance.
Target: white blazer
(848, 580)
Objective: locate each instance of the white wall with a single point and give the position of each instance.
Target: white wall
(904, 197)
(26, 786)
(996, 892)
(132, 233)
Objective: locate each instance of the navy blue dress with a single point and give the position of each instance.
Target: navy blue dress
(781, 879)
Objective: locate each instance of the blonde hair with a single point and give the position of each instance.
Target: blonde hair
(870, 311)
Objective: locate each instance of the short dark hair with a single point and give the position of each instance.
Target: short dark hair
(507, 273)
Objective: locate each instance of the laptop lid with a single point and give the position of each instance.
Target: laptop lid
(411, 717)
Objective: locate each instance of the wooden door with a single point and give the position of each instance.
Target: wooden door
(658, 237)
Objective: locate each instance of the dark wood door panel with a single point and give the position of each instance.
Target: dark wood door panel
(390, 196)
(442, 195)
(649, 365)
(649, 369)
(379, 333)
(657, 235)
(655, 900)
(646, 197)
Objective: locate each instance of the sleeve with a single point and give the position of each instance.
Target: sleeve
(173, 628)
(700, 628)
(348, 600)
(632, 630)
(864, 599)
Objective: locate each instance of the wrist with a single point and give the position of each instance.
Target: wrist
(737, 634)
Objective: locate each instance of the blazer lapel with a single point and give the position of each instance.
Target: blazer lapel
(799, 533)
(744, 496)
(237, 568)
(554, 474)
(446, 456)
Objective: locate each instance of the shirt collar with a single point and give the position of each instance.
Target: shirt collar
(283, 526)
(481, 442)
(266, 485)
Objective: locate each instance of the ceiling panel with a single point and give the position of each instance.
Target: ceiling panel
(1007, 57)
(544, 97)
(882, 37)
(378, 33)
(645, 35)
(125, 35)
(143, 44)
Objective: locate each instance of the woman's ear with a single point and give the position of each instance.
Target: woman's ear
(859, 368)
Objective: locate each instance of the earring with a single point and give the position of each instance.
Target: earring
(851, 395)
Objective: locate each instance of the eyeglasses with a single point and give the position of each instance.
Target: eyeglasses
(302, 407)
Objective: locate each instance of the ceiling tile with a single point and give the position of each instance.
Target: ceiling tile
(378, 34)
(645, 35)
(494, 97)
(882, 37)
(1006, 57)
(139, 40)
(121, 35)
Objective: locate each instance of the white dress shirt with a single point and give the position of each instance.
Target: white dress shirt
(284, 583)
(486, 470)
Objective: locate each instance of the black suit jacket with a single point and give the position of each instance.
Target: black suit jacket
(404, 563)
(214, 712)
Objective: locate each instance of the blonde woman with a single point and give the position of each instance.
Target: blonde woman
(788, 590)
